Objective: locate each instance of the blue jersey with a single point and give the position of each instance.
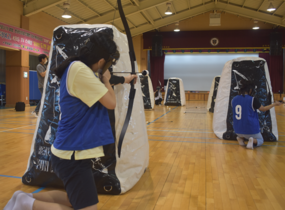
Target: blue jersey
(81, 127)
(245, 117)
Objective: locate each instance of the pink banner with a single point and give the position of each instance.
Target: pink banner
(21, 39)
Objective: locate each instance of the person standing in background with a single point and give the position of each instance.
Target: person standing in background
(41, 73)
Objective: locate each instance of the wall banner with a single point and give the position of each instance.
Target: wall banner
(18, 38)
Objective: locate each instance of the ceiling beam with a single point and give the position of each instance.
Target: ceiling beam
(237, 10)
(110, 4)
(72, 14)
(132, 3)
(243, 3)
(188, 3)
(147, 16)
(131, 22)
(129, 10)
(88, 7)
(136, 2)
(158, 12)
(172, 5)
(143, 13)
(268, 18)
(35, 7)
(173, 18)
(260, 5)
(27, 3)
(121, 30)
(280, 5)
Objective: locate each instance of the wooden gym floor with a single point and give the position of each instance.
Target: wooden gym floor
(189, 167)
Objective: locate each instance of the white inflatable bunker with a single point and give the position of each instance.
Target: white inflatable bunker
(174, 93)
(113, 175)
(147, 90)
(252, 68)
(213, 94)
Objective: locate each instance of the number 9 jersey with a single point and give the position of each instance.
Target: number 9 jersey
(245, 115)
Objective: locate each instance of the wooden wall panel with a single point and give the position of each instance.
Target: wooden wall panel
(206, 96)
(25, 22)
(197, 97)
(17, 58)
(277, 97)
(137, 41)
(10, 12)
(44, 24)
(17, 87)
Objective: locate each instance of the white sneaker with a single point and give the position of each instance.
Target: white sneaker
(240, 141)
(34, 114)
(250, 143)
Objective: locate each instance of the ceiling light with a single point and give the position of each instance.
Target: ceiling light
(255, 27)
(168, 10)
(65, 14)
(271, 8)
(177, 27)
(66, 6)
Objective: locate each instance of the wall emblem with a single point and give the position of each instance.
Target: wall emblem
(214, 41)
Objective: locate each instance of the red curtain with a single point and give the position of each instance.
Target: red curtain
(275, 66)
(157, 70)
(265, 56)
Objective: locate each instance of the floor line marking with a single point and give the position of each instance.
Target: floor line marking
(188, 137)
(184, 129)
(161, 116)
(192, 137)
(190, 131)
(16, 132)
(179, 131)
(7, 176)
(13, 122)
(203, 142)
(12, 118)
(17, 128)
(38, 190)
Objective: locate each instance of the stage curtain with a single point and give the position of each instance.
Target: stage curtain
(275, 66)
(157, 70)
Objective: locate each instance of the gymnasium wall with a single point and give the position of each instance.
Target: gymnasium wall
(40, 23)
(44, 24)
(201, 39)
(141, 55)
(2, 66)
(11, 11)
(231, 42)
